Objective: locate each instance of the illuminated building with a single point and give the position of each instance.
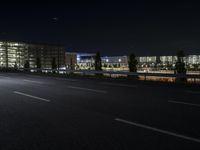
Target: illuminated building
(85, 61)
(193, 59)
(115, 63)
(70, 60)
(120, 63)
(15, 54)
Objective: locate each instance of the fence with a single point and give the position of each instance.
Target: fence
(110, 73)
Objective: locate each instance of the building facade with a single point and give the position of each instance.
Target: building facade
(16, 54)
(70, 60)
(120, 63)
(85, 61)
(115, 63)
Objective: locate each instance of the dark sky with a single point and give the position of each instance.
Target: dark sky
(113, 28)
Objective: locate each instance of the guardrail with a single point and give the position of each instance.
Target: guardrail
(110, 73)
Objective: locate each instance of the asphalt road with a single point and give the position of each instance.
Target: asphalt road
(38, 113)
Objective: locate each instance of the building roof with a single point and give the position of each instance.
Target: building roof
(32, 43)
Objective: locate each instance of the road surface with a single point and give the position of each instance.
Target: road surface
(38, 113)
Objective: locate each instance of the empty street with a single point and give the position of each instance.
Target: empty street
(43, 112)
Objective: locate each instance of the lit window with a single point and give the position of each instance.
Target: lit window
(78, 59)
(16, 44)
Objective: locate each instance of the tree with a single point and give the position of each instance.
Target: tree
(71, 64)
(180, 54)
(180, 67)
(196, 67)
(53, 64)
(105, 65)
(158, 62)
(115, 65)
(15, 66)
(132, 63)
(26, 65)
(98, 65)
(169, 66)
(38, 63)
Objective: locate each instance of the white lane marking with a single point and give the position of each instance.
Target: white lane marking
(185, 103)
(193, 92)
(31, 96)
(32, 81)
(118, 84)
(86, 89)
(63, 79)
(159, 130)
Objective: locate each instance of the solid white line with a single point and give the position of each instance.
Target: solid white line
(185, 103)
(32, 81)
(31, 96)
(193, 92)
(118, 84)
(159, 130)
(86, 89)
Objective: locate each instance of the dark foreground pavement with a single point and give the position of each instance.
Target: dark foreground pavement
(38, 113)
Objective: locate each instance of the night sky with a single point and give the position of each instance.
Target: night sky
(113, 28)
